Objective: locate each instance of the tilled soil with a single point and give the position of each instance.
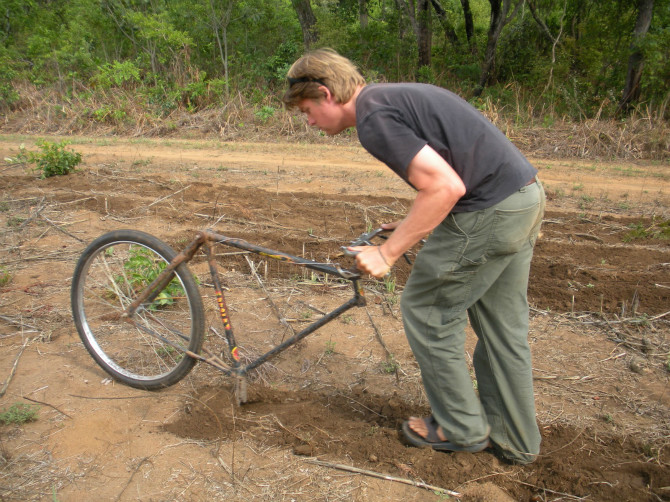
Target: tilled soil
(599, 292)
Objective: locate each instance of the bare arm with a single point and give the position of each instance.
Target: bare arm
(438, 189)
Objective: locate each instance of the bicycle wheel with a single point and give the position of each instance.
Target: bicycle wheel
(146, 351)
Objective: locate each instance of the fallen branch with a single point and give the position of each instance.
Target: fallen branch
(46, 404)
(379, 335)
(144, 396)
(35, 214)
(589, 237)
(167, 196)
(553, 492)
(389, 355)
(11, 373)
(658, 316)
(60, 229)
(418, 484)
(557, 377)
(20, 324)
(130, 479)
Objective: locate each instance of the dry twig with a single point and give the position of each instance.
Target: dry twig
(31, 328)
(11, 373)
(418, 484)
(57, 227)
(46, 404)
(137, 468)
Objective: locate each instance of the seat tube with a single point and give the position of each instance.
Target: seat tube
(223, 309)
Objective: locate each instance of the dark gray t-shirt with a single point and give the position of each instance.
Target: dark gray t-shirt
(395, 121)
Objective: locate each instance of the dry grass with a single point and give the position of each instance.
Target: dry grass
(644, 135)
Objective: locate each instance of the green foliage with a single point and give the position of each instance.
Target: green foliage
(265, 113)
(202, 93)
(656, 50)
(21, 157)
(5, 277)
(162, 97)
(141, 269)
(390, 365)
(54, 160)
(163, 45)
(19, 413)
(117, 74)
(280, 61)
(108, 114)
(426, 74)
(191, 54)
(8, 94)
(656, 230)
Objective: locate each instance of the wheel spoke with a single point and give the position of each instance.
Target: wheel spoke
(150, 350)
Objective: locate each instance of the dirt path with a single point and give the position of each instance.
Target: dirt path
(600, 292)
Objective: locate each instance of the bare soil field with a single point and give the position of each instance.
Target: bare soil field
(323, 418)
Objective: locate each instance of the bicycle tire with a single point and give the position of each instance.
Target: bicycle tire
(147, 353)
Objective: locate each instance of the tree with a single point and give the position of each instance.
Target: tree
(220, 12)
(419, 17)
(424, 32)
(469, 24)
(631, 92)
(500, 16)
(449, 31)
(363, 16)
(307, 21)
(554, 39)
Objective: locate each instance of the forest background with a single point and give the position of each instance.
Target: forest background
(567, 77)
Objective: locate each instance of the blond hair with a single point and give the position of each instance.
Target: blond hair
(322, 67)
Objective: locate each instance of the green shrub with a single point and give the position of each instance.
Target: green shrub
(54, 159)
(19, 413)
(265, 113)
(8, 94)
(5, 277)
(117, 74)
(21, 157)
(657, 230)
(141, 269)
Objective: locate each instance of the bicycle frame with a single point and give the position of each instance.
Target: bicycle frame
(208, 239)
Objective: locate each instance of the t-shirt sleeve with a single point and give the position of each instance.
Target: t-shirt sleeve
(389, 139)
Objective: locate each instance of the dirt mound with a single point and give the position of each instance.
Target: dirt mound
(364, 428)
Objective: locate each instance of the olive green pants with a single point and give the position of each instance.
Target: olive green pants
(476, 265)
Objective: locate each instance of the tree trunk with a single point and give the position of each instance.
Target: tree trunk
(424, 32)
(220, 22)
(469, 24)
(307, 21)
(363, 13)
(499, 18)
(420, 22)
(449, 31)
(553, 39)
(631, 92)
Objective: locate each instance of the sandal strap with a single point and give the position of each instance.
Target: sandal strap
(432, 426)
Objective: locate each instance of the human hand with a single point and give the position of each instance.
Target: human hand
(371, 260)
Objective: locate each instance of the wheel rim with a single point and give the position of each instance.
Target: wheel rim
(148, 350)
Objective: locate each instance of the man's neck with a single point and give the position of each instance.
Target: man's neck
(350, 108)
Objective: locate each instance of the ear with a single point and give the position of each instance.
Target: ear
(327, 95)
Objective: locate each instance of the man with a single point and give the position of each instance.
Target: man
(478, 198)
